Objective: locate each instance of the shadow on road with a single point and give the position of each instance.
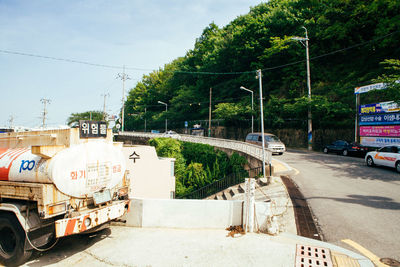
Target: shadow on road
(67, 247)
(369, 201)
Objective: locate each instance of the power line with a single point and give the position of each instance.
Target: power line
(196, 72)
(70, 60)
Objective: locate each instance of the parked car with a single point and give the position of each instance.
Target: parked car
(345, 148)
(386, 156)
(271, 142)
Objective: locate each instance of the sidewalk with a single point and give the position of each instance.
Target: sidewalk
(128, 246)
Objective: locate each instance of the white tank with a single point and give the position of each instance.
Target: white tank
(76, 171)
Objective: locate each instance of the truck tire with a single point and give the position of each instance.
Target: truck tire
(12, 241)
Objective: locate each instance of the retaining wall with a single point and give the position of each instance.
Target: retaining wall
(191, 214)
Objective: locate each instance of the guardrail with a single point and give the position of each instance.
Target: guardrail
(249, 149)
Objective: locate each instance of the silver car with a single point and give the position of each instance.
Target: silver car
(272, 142)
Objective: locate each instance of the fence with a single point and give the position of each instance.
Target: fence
(222, 184)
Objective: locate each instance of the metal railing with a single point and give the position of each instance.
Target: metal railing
(222, 184)
(247, 148)
(228, 181)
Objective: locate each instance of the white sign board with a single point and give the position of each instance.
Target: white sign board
(379, 141)
(370, 87)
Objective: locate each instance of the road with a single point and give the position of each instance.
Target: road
(350, 200)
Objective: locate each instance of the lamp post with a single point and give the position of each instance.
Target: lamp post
(309, 119)
(259, 77)
(252, 105)
(166, 110)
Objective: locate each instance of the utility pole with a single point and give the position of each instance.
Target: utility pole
(145, 109)
(44, 101)
(104, 106)
(309, 119)
(309, 116)
(11, 121)
(259, 76)
(209, 115)
(123, 77)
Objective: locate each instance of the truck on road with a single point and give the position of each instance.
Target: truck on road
(56, 183)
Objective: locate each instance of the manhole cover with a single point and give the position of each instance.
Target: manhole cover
(308, 256)
(390, 262)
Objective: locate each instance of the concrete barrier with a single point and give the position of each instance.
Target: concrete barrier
(191, 214)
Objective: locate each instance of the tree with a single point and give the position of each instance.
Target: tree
(74, 118)
(197, 165)
(348, 40)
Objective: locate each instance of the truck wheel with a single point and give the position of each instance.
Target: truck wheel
(12, 241)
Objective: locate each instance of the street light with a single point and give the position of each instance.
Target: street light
(252, 104)
(301, 40)
(166, 110)
(142, 116)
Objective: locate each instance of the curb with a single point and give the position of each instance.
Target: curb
(287, 169)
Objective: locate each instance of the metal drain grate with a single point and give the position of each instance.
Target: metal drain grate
(308, 256)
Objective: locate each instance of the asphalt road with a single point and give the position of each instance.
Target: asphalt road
(350, 200)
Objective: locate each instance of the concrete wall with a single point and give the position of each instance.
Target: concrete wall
(185, 213)
(150, 176)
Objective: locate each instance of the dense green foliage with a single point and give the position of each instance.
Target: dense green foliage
(197, 165)
(74, 118)
(351, 43)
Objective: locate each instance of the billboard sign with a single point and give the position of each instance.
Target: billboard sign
(379, 141)
(370, 87)
(392, 131)
(380, 119)
(383, 107)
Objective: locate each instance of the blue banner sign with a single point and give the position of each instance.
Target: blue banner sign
(380, 119)
(383, 107)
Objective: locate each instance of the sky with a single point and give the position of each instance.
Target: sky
(143, 35)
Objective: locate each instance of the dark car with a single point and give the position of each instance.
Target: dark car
(345, 148)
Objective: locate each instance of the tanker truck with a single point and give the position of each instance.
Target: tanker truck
(57, 183)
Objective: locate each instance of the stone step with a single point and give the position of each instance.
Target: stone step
(241, 188)
(226, 195)
(219, 197)
(234, 191)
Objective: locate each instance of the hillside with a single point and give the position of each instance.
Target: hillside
(348, 42)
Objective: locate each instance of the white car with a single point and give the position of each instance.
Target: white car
(386, 156)
(171, 134)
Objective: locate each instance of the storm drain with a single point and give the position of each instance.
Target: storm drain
(308, 256)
